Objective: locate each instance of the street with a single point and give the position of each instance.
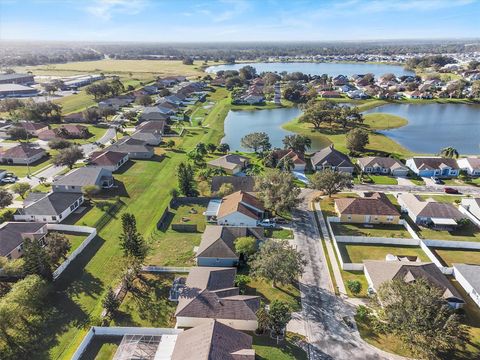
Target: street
(467, 190)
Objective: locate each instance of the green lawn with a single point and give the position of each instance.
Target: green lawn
(96, 131)
(102, 348)
(190, 214)
(279, 233)
(358, 276)
(451, 256)
(75, 238)
(382, 121)
(356, 253)
(144, 190)
(378, 230)
(22, 170)
(327, 203)
(267, 349)
(383, 180)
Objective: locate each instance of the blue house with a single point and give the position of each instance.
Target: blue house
(433, 166)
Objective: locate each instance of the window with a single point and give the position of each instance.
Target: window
(54, 218)
(349, 217)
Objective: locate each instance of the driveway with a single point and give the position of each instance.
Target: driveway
(323, 312)
(404, 181)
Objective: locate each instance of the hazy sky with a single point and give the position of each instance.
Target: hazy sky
(237, 20)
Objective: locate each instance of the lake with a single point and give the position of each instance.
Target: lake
(332, 69)
(432, 127)
(239, 123)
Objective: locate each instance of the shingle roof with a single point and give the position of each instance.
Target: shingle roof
(12, 234)
(383, 162)
(83, 176)
(296, 157)
(219, 241)
(212, 341)
(329, 156)
(431, 163)
(53, 203)
(211, 278)
(374, 205)
(22, 150)
(430, 208)
(242, 202)
(106, 158)
(381, 271)
(471, 273)
(243, 183)
(473, 162)
(230, 161)
(130, 145)
(152, 126)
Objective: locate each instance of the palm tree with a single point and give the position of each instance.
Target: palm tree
(449, 152)
(286, 164)
(253, 170)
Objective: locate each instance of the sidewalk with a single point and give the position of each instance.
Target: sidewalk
(331, 251)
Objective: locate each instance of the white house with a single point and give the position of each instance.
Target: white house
(382, 165)
(470, 165)
(433, 166)
(473, 206)
(469, 277)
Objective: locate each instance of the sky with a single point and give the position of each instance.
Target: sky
(237, 20)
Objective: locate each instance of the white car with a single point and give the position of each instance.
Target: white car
(267, 223)
(8, 180)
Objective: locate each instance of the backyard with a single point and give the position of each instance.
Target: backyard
(371, 230)
(356, 253)
(451, 256)
(467, 232)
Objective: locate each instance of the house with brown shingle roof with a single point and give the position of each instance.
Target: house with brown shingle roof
(110, 160)
(382, 165)
(471, 165)
(378, 272)
(243, 183)
(429, 212)
(330, 158)
(209, 293)
(237, 209)
(373, 208)
(433, 166)
(21, 154)
(33, 128)
(297, 158)
(231, 163)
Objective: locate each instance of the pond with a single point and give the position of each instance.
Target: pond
(432, 127)
(239, 123)
(332, 69)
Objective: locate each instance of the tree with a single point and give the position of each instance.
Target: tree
(277, 190)
(246, 245)
(107, 112)
(57, 246)
(49, 88)
(110, 302)
(91, 115)
(262, 319)
(279, 315)
(17, 133)
(187, 61)
(21, 189)
(59, 144)
(354, 286)
(247, 72)
(201, 149)
(211, 148)
(68, 157)
(242, 281)
(357, 139)
(6, 198)
(46, 111)
(11, 105)
(476, 89)
(223, 148)
(130, 115)
(144, 100)
(417, 313)
(225, 189)
(278, 262)
(298, 143)
(36, 259)
(319, 113)
(89, 191)
(131, 242)
(170, 144)
(186, 180)
(286, 164)
(330, 182)
(449, 152)
(256, 141)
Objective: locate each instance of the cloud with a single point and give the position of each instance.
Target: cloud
(106, 9)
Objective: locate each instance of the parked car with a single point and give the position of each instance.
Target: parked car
(8, 180)
(436, 180)
(268, 223)
(449, 190)
(12, 175)
(280, 220)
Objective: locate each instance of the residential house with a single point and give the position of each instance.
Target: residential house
(33, 128)
(53, 207)
(237, 209)
(297, 158)
(357, 95)
(217, 247)
(471, 165)
(430, 212)
(116, 103)
(473, 206)
(209, 293)
(382, 165)
(231, 163)
(67, 131)
(136, 149)
(378, 272)
(74, 118)
(330, 158)
(239, 183)
(12, 235)
(433, 166)
(468, 276)
(110, 160)
(21, 154)
(212, 340)
(77, 179)
(155, 113)
(373, 208)
(326, 94)
(14, 78)
(340, 80)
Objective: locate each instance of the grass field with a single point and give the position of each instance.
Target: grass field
(383, 180)
(279, 233)
(327, 203)
(378, 230)
(267, 349)
(382, 121)
(22, 170)
(355, 253)
(451, 256)
(355, 276)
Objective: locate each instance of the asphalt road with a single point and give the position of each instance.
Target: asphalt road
(467, 190)
(324, 314)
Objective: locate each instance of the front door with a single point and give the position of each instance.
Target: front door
(367, 218)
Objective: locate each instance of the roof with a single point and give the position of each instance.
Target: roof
(376, 204)
(212, 341)
(152, 126)
(381, 271)
(211, 278)
(22, 150)
(471, 273)
(14, 76)
(243, 183)
(432, 163)
(297, 158)
(128, 145)
(106, 158)
(329, 156)
(12, 234)
(383, 162)
(429, 208)
(219, 241)
(53, 203)
(473, 162)
(32, 126)
(242, 202)
(83, 176)
(230, 161)
(15, 87)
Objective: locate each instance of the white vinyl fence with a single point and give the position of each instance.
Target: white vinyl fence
(165, 269)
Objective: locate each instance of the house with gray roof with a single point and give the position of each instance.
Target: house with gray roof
(330, 158)
(151, 132)
(209, 293)
(231, 163)
(471, 165)
(382, 165)
(12, 235)
(110, 160)
(433, 166)
(378, 272)
(136, 149)
(239, 183)
(52, 207)
(77, 179)
(468, 276)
